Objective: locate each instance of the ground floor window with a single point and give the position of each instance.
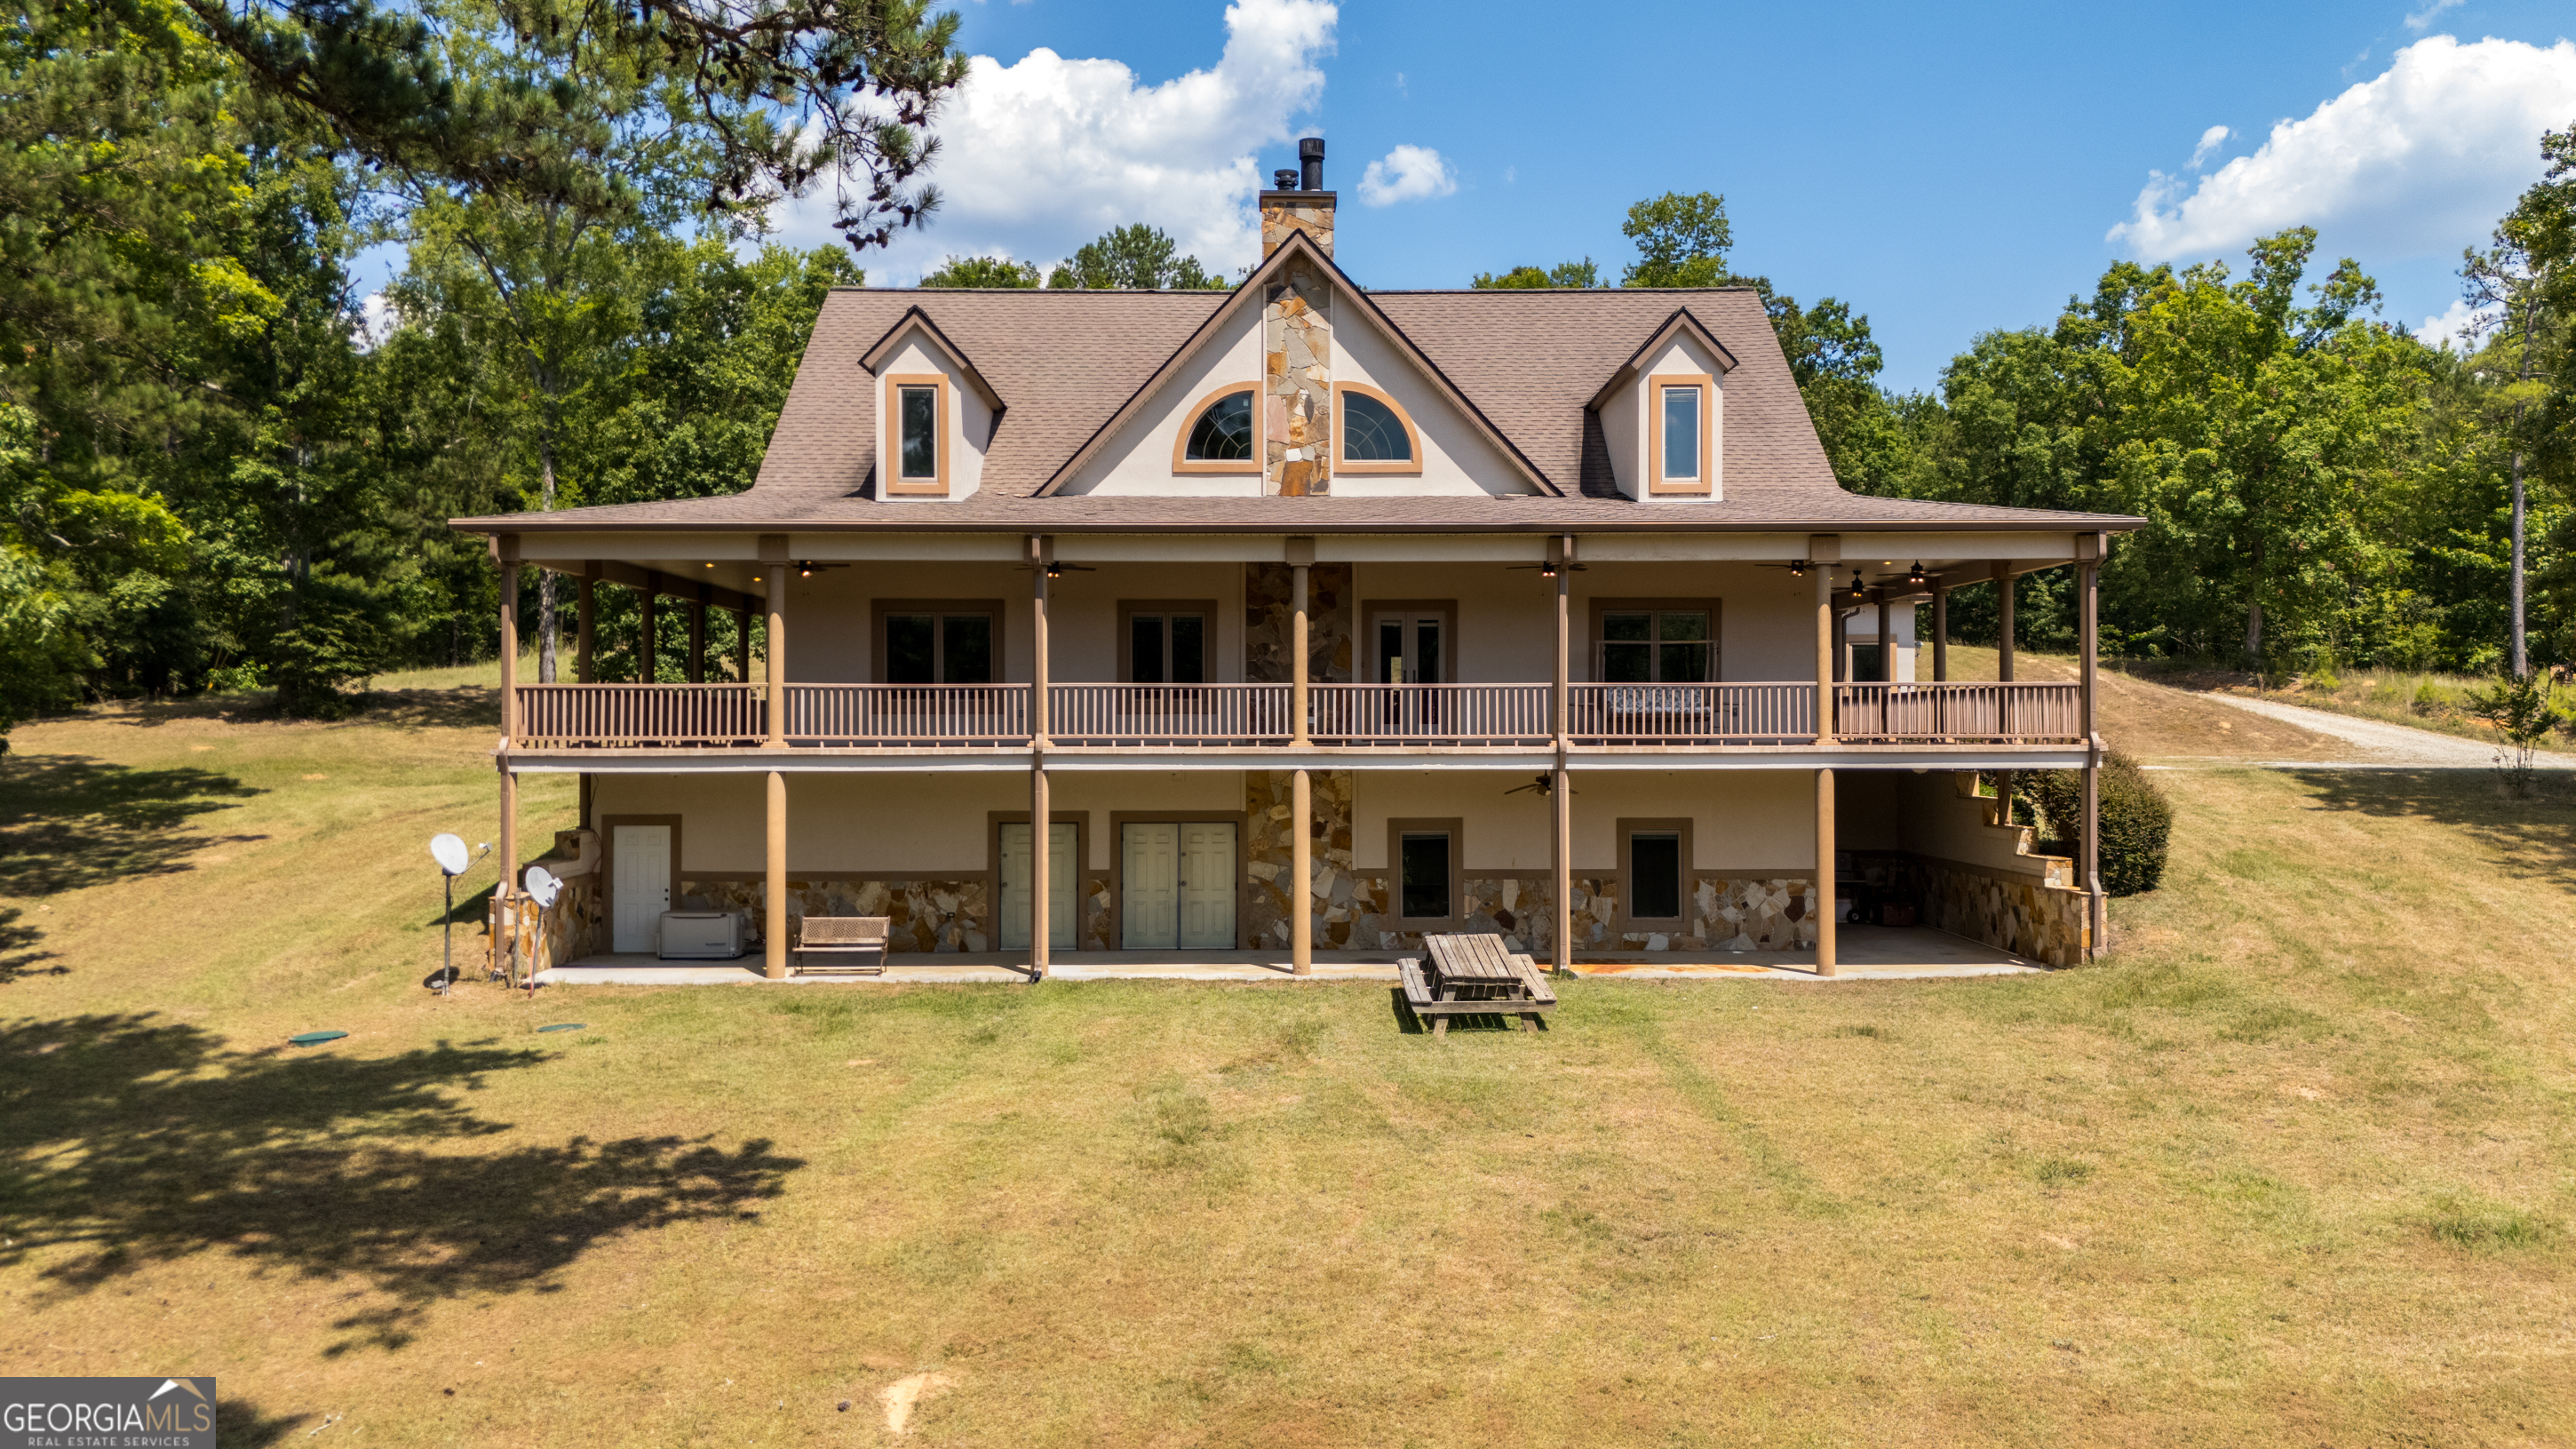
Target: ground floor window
(1655, 875)
(1425, 871)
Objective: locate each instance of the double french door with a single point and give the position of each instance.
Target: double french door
(1177, 885)
(1061, 840)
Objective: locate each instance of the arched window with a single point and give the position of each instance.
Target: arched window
(1223, 432)
(1376, 436)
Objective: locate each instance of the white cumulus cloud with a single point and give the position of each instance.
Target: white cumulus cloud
(1043, 155)
(2449, 329)
(1407, 173)
(2210, 140)
(2419, 160)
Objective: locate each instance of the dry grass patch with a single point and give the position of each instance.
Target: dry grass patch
(2294, 1169)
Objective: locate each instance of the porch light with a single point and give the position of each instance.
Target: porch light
(1797, 568)
(1547, 570)
(1916, 576)
(1858, 589)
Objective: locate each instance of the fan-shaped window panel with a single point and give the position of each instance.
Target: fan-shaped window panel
(1223, 433)
(1375, 434)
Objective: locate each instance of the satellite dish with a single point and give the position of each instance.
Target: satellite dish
(449, 852)
(543, 885)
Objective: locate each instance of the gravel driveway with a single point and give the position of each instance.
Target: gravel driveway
(2386, 746)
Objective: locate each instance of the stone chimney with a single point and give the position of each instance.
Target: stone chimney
(1299, 202)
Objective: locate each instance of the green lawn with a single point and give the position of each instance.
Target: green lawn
(2294, 1168)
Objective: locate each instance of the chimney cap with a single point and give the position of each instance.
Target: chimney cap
(1284, 179)
(1311, 149)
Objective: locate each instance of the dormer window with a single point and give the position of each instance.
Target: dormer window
(1220, 437)
(916, 423)
(1375, 435)
(1678, 414)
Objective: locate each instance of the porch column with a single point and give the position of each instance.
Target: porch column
(773, 567)
(1301, 561)
(1823, 551)
(742, 646)
(2088, 552)
(648, 651)
(2004, 622)
(774, 883)
(1041, 559)
(1560, 782)
(505, 552)
(1041, 864)
(1886, 644)
(698, 637)
(585, 625)
(1301, 866)
(1824, 872)
(1940, 633)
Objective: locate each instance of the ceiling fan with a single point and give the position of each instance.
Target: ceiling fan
(1542, 785)
(1055, 570)
(1548, 570)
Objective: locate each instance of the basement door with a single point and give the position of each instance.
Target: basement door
(1015, 887)
(1176, 886)
(642, 886)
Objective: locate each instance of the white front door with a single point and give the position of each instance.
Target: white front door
(642, 887)
(1207, 885)
(1176, 886)
(1015, 887)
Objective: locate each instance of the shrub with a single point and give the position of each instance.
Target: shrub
(2137, 820)
(2428, 700)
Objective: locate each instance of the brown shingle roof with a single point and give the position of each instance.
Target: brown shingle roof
(1065, 362)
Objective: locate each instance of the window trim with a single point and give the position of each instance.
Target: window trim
(1654, 384)
(1396, 829)
(1342, 460)
(878, 609)
(891, 443)
(1366, 615)
(1128, 609)
(1602, 607)
(1182, 462)
(1628, 828)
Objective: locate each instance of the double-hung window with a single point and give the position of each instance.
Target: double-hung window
(1657, 646)
(938, 647)
(1679, 416)
(916, 426)
(1167, 648)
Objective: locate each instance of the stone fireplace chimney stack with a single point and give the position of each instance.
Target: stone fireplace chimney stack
(1300, 203)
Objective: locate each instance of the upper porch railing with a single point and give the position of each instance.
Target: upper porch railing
(1198, 716)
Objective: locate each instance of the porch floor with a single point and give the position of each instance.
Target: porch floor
(1868, 953)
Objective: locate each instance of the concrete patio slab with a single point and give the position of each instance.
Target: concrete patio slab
(1868, 953)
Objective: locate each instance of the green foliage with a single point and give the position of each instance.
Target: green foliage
(1133, 258)
(2136, 823)
(1563, 274)
(1681, 241)
(983, 272)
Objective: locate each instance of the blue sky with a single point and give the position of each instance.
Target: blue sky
(1944, 169)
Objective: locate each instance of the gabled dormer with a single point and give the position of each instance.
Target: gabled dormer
(1663, 415)
(936, 415)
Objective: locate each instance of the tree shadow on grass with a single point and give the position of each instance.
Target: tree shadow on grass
(2532, 837)
(127, 1141)
(69, 821)
(464, 707)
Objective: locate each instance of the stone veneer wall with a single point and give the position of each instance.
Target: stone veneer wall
(1267, 860)
(2026, 915)
(923, 915)
(1729, 913)
(1297, 386)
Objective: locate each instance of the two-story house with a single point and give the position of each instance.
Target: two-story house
(1304, 618)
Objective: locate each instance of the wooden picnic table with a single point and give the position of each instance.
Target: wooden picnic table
(1474, 976)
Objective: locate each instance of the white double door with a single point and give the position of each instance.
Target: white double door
(1177, 885)
(1015, 887)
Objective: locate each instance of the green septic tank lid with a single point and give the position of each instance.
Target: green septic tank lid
(565, 1026)
(314, 1038)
